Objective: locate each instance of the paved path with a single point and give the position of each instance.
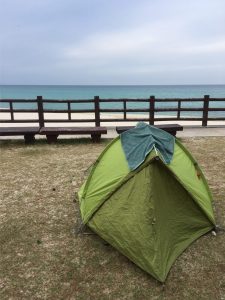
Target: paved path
(199, 131)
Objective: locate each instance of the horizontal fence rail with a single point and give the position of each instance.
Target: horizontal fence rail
(196, 109)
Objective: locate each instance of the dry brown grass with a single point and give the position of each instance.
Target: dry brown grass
(41, 257)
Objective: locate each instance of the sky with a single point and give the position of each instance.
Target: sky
(112, 42)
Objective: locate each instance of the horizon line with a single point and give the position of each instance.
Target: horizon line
(185, 84)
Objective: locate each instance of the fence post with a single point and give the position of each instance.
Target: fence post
(124, 109)
(151, 110)
(97, 112)
(69, 110)
(11, 111)
(205, 110)
(40, 111)
(178, 109)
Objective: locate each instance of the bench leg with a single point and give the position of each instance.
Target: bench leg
(51, 138)
(173, 133)
(29, 138)
(96, 138)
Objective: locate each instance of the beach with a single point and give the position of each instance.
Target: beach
(87, 212)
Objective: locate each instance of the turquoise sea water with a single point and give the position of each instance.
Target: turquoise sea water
(81, 92)
(109, 91)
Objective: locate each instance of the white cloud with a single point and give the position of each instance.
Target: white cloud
(213, 47)
(112, 44)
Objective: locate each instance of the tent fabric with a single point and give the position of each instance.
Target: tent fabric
(188, 172)
(152, 231)
(139, 141)
(150, 214)
(108, 174)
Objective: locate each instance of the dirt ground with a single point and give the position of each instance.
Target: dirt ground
(42, 256)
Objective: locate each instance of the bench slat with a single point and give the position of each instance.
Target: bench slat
(53, 132)
(7, 131)
(171, 128)
(73, 130)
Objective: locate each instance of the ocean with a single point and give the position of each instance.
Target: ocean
(110, 91)
(81, 92)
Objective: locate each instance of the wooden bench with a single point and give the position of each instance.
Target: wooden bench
(52, 133)
(170, 128)
(27, 132)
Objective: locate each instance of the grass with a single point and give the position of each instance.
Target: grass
(42, 257)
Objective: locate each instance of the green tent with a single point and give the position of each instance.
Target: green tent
(148, 198)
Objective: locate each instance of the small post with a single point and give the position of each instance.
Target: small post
(124, 109)
(69, 111)
(178, 109)
(40, 112)
(97, 112)
(11, 111)
(151, 110)
(205, 110)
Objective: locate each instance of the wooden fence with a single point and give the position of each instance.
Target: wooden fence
(147, 114)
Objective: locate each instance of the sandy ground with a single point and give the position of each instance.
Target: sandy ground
(80, 116)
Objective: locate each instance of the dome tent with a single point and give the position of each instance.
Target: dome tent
(148, 198)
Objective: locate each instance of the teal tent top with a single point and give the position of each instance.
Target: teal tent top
(138, 142)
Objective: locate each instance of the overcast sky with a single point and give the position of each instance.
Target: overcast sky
(112, 42)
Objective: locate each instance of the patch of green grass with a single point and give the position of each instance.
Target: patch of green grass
(41, 256)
